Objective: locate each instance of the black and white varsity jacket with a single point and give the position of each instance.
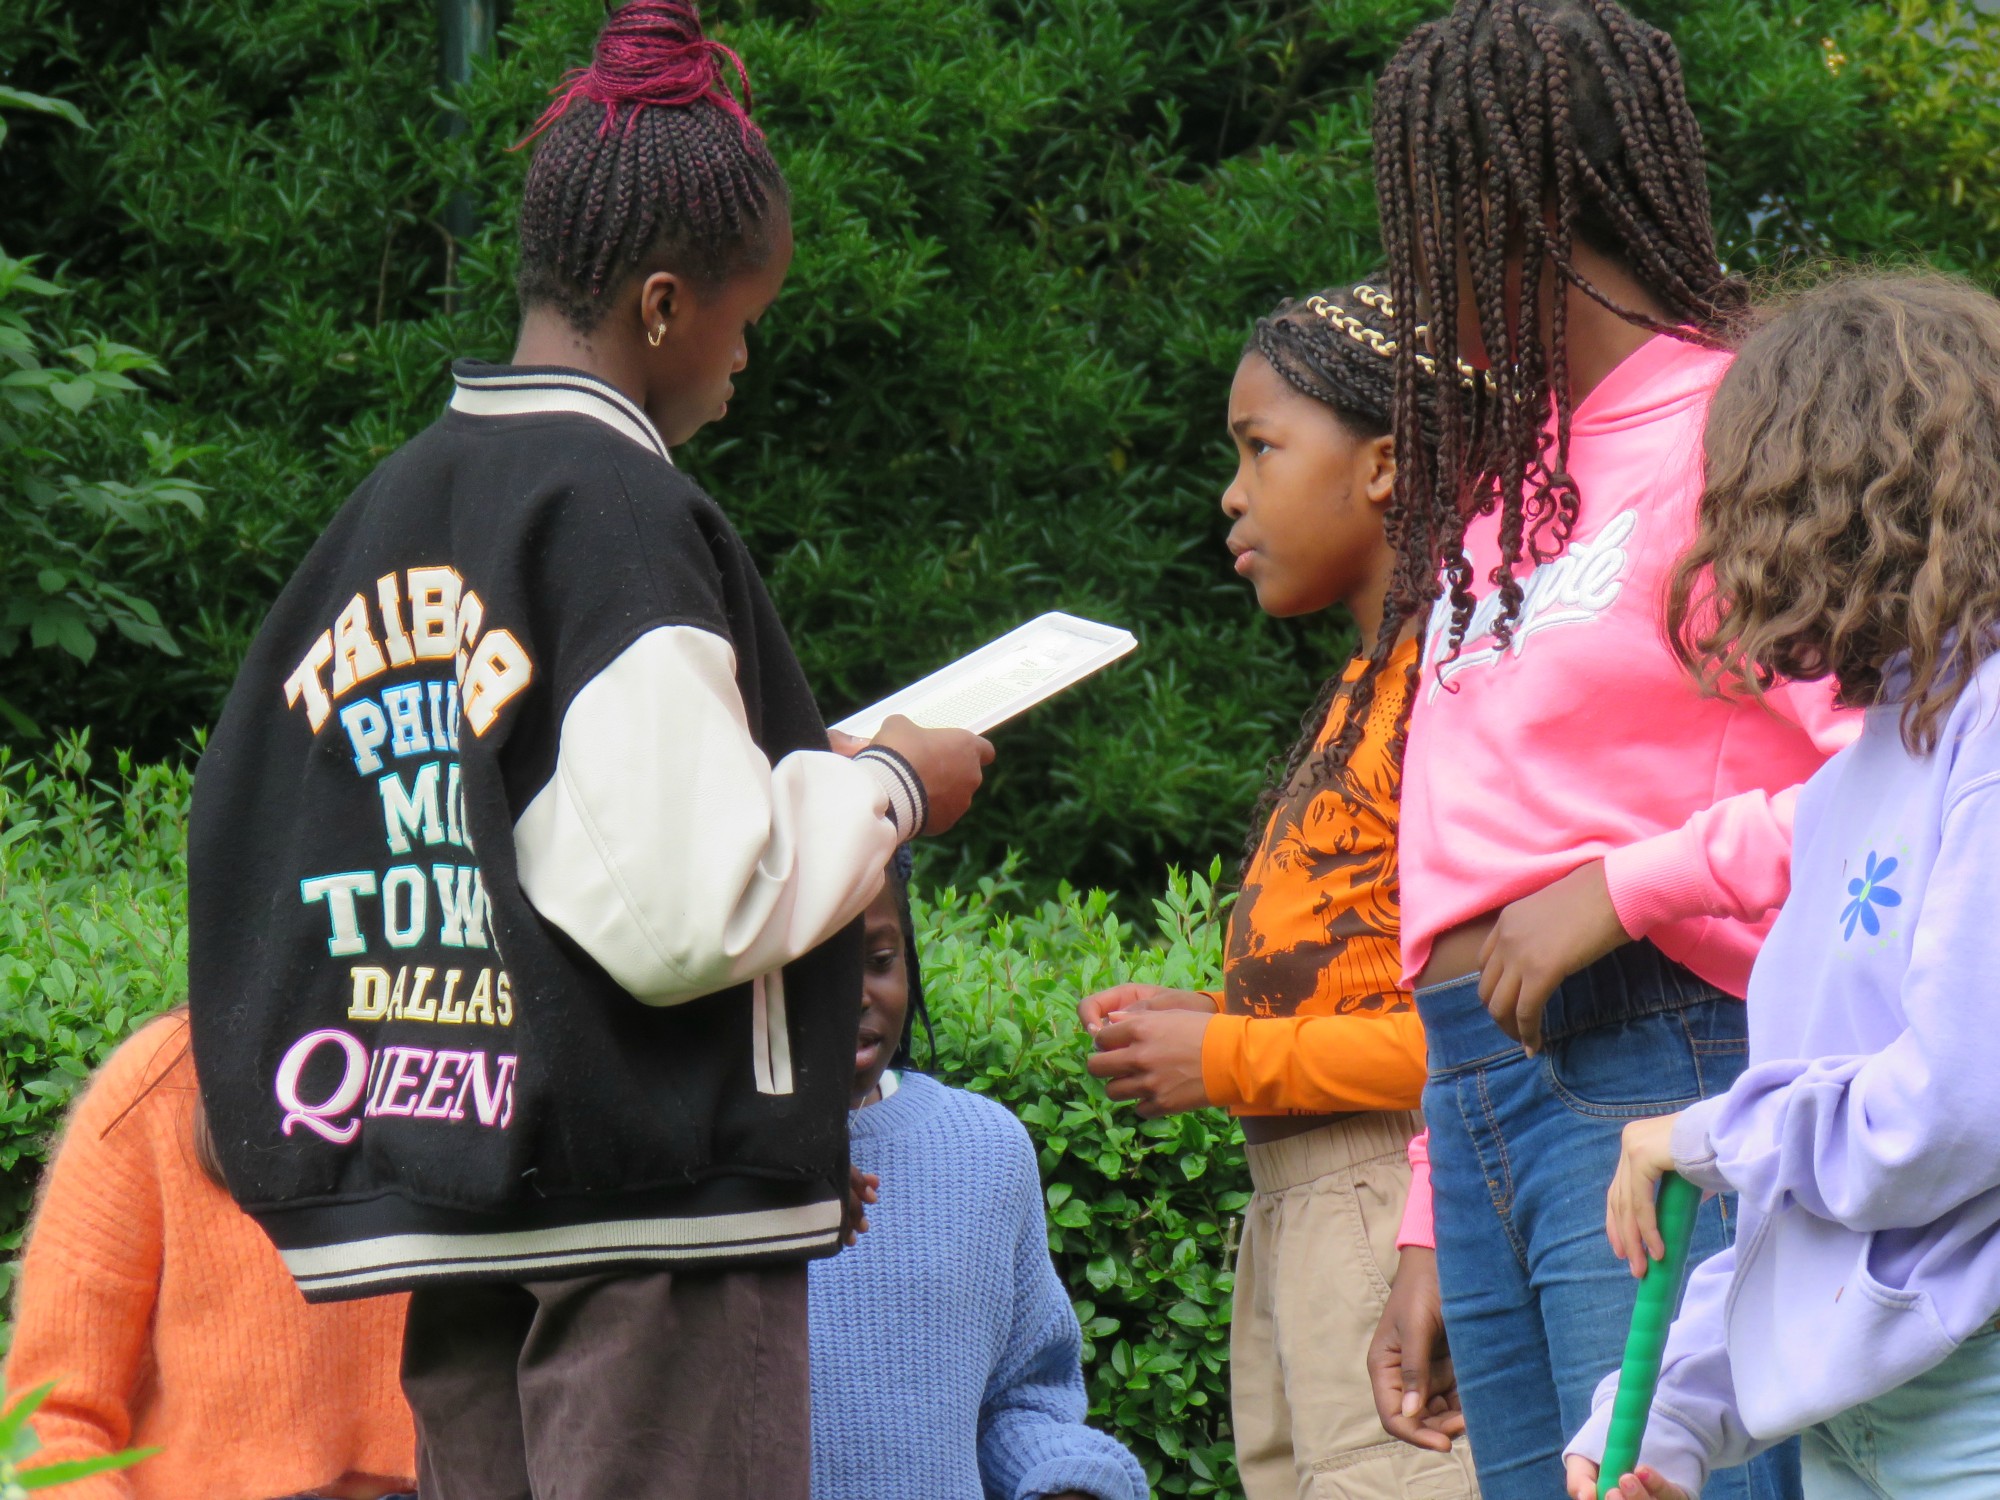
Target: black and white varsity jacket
(523, 882)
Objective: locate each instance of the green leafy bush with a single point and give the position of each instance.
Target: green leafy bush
(1032, 234)
(93, 939)
(93, 942)
(60, 575)
(1143, 1214)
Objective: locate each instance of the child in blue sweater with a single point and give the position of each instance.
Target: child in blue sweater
(946, 1361)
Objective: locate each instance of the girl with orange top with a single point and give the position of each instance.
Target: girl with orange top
(1313, 1043)
(166, 1320)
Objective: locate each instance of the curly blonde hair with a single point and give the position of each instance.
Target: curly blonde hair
(1852, 505)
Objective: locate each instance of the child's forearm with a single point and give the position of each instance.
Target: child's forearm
(1315, 1064)
(1898, 1137)
(1733, 859)
(1729, 860)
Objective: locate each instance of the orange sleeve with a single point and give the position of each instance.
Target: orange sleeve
(1255, 1065)
(90, 1277)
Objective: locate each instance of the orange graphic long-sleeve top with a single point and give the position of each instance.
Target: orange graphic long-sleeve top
(1314, 1016)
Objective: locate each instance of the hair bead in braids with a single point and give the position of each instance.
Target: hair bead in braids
(646, 155)
(1511, 130)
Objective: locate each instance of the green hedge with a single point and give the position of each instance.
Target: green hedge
(93, 941)
(1032, 234)
(1143, 1214)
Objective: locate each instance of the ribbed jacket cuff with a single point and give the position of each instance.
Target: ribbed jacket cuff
(1596, 1430)
(909, 804)
(1655, 881)
(1694, 1152)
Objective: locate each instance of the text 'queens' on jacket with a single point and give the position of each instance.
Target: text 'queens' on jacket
(523, 881)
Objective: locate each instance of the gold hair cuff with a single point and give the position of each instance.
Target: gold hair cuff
(1377, 342)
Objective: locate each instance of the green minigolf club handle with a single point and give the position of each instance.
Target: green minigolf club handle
(1647, 1342)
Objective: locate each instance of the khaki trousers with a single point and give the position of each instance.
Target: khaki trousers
(1312, 1277)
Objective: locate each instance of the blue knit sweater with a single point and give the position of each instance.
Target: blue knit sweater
(945, 1355)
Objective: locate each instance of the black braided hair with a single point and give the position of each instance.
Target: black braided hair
(1337, 347)
(1513, 129)
(647, 158)
(918, 1012)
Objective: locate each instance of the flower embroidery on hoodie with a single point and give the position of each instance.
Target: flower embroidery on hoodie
(1869, 892)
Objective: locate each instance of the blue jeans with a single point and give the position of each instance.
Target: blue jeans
(1937, 1438)
(1522, 1150)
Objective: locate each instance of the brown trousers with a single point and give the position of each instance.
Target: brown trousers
(1312, 1278)
(656, 1386)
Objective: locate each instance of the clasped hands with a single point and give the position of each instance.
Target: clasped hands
(1148, 1041)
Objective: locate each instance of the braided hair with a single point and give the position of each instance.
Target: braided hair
(647, 155)
(1338, 348)
(1515, 129)
(918, 1012)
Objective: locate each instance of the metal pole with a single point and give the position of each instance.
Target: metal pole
(467, 30)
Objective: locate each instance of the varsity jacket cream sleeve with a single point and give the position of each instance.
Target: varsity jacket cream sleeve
(675, 854)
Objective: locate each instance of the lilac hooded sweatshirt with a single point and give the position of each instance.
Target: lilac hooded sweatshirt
(1863, 1141)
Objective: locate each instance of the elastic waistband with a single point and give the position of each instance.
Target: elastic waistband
(1628, 983)
(1277, 1165)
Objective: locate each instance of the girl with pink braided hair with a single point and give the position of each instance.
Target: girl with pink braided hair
(574, 1073)
(647, 161)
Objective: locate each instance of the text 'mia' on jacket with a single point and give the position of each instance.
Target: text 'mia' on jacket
(522, 879)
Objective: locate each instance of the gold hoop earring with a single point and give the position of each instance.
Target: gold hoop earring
(656, 335)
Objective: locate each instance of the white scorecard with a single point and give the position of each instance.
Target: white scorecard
(1002, 678)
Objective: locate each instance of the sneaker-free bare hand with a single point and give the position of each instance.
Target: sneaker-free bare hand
(1153, 1059)
(1631, 1213)
(1539, 941)
(1094, 1010)
(1642, 1484)
(949, 762)
(863, 1188)
(1409, 1368)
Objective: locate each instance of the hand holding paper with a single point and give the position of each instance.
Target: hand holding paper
(949, 762)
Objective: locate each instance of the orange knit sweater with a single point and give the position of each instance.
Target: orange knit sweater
(165, 1317)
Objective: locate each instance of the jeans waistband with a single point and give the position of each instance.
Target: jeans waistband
(1312, 1154)
(1627, 983)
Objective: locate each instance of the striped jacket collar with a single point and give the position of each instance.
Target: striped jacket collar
(484, 390)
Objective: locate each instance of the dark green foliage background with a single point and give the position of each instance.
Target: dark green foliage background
(1032, 236)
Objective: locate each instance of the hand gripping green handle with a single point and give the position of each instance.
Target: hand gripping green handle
(1647, 1342)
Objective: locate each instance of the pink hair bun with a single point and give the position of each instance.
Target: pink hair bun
(652, 54)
